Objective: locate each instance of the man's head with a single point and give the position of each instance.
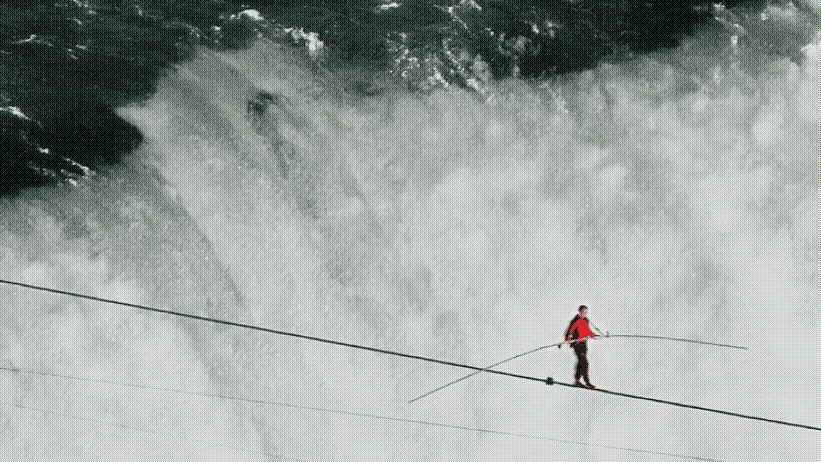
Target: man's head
(583, 310)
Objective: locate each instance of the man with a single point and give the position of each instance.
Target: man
(579, 328)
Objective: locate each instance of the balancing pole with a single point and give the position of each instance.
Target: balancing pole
(607, 335)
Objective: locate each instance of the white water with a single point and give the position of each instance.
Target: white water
(671, 201)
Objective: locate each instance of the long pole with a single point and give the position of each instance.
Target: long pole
(573, 341)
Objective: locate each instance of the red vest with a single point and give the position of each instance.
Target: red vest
(579, 328)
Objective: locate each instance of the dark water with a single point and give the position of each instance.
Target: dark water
(675, 194)
(64, 65)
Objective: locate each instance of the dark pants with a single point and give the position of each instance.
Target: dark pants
(581, 364)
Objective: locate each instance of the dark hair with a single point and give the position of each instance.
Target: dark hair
(581, 307)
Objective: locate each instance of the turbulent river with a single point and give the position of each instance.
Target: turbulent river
(672, 199)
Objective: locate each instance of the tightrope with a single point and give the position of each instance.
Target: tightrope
(550, 381)
(383, 351)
